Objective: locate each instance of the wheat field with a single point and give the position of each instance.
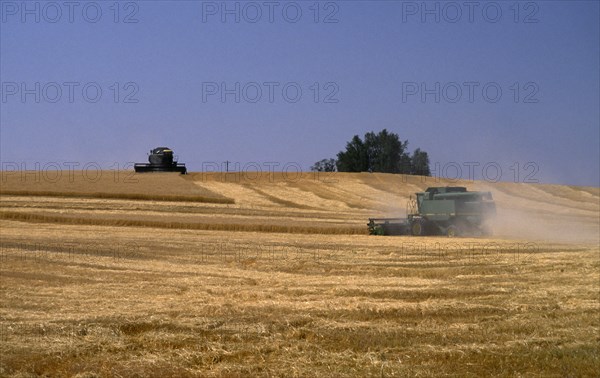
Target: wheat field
(254, 274)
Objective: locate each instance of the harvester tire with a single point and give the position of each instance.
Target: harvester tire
(452, 231)
(417, 228)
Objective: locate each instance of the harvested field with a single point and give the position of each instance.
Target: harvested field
(273, 275)
(106, 184)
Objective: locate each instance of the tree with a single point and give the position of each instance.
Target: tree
(420, 163)
(387, 152)
(382, 152)
(324, 165)
(355, 158)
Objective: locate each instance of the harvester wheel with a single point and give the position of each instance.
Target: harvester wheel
(452, 231)
(417, 228)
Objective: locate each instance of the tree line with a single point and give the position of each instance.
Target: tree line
(382, 152)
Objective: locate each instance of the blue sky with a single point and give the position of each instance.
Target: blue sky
(509, 86)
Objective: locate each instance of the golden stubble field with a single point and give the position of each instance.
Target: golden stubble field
(274, 275)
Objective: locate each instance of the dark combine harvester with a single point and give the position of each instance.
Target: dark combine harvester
(161, 160)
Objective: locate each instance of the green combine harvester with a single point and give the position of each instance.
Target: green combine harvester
(450, 210)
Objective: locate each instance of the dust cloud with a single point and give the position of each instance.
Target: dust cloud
(545, 226)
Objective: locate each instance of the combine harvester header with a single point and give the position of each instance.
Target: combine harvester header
(450, 210)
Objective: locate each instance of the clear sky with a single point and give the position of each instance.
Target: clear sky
(510, 86)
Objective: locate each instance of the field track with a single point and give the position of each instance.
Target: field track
(275, 275)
